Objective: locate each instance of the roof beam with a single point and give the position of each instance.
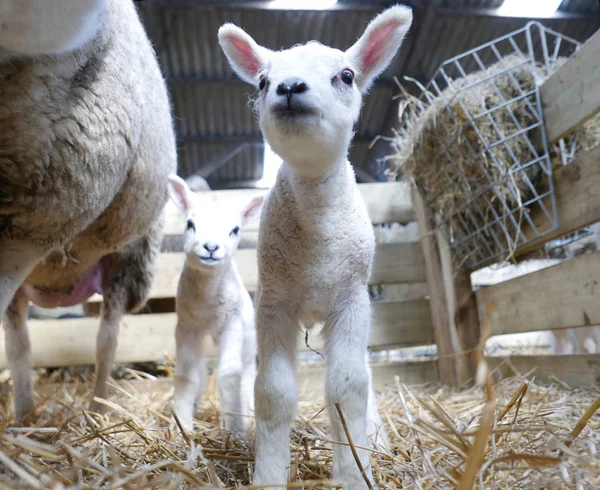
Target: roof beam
(267, 5)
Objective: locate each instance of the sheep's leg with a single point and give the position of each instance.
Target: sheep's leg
(229, 376)
(106, 347)
(248, 372)
(126, 288)
(275, 392)
(18, 353)
(190, 372)
(347, 383)
(16, 262)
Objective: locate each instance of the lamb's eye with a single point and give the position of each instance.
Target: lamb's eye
(262, 83)
(347, 76)
(191, 225)
(235, 231)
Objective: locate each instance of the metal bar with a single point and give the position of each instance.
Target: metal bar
(218, 162)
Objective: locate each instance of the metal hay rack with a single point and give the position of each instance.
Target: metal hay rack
(477, 145)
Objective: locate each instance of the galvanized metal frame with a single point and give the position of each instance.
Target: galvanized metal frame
(475, 243)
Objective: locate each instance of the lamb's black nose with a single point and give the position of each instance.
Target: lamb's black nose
(291, 87)
(211, 247)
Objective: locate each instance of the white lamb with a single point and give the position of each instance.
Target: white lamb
(316, 243)
(212, 300)
(86, 146)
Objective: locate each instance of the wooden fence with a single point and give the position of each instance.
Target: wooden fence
(432, 302)
(564, 296)
(404, 320)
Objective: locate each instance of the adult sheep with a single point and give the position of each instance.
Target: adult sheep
(86, 146)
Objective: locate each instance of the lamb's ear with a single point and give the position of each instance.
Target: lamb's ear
(180, 192)
(253, 209)
(246, 57)
(376, 48)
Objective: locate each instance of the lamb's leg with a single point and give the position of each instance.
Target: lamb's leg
(131, 271)
(275, 392)
(229, 376)
(190, 372)
(248, 372)
(376, 434)
(18, 353)
(347, 383)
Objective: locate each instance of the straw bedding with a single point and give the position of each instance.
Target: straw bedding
(519, 435)
(464, 182)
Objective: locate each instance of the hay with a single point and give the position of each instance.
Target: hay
(522, 435)
(468, 187)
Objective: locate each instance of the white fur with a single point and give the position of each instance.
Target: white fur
(316, 242)
(37, 27)
(212, 300)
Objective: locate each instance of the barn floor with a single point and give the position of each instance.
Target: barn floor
(435, 433)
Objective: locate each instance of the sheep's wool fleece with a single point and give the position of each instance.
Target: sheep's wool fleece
(86, 145)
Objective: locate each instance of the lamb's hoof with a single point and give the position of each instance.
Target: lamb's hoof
(380, 442)
(268, 485)
(187, 424)
(96, 407)
(235, 427)
(23, 409)
(357, 482)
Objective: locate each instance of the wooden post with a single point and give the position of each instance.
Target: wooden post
(452, 301)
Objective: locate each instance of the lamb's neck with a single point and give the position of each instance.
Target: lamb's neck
(334, 188)
(210, 281)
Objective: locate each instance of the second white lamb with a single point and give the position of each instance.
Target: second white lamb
(213, 301)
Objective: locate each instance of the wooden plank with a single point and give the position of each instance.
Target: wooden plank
(395, 263)
(152, 337)
(577, 201)
(311, 380)
(452, 302)
(387, 202)
(406, 292)
(398, 263)
(562, 296)
(570, 96)
(575, 370)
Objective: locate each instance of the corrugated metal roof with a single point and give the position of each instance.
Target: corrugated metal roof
(572, 6)
(212, 116)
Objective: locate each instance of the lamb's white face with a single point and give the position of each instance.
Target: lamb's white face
(212, 232)
(308, 102)
(309, 96)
